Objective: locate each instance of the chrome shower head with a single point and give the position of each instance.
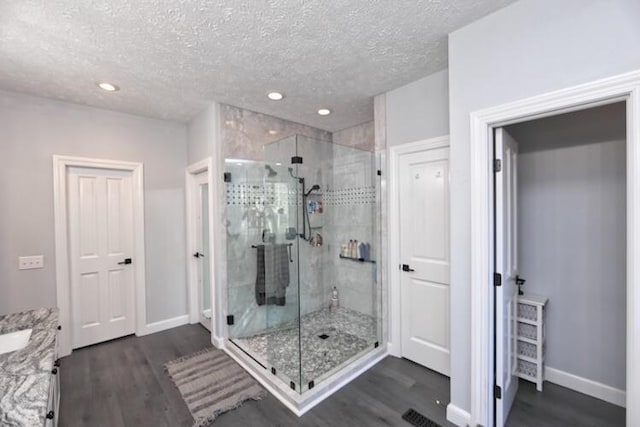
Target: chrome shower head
(315, 187)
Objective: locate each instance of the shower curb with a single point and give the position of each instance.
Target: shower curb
(297, 403)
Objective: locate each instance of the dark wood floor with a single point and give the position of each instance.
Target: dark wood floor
(559, 406)
(123, 383)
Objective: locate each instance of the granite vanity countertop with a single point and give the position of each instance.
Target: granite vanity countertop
(25, 374)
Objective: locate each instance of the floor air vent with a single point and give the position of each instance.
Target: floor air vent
(417, 419)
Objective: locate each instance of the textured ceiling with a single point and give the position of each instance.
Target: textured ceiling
(171, 58)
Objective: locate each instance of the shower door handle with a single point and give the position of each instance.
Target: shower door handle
(198, 255)
(406, 267)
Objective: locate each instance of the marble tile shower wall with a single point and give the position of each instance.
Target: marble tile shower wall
(353, 215)
(361, 137)
(247, 217)
(346, 177)
(244, 133)
(351, 205)
(259, 137)
(315, 170)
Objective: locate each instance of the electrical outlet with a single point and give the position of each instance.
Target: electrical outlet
(30, 262)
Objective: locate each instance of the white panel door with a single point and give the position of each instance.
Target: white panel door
(101, 239)
(424, 253)
(506, 149)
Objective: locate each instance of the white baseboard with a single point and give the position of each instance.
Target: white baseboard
(217, 342)
(586, 386)
(394, 349)
(162, 325)
(458, 416)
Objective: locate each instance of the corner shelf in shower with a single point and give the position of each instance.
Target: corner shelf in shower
(357, 259)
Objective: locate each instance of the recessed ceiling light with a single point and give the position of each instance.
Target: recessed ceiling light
(275, 96)
(324, 111)
(273, 132)
(109, 87)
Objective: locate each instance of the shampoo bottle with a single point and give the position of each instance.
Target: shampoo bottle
(335, 302)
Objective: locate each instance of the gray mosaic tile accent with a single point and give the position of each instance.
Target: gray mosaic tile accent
(351, 196)
(250, 194)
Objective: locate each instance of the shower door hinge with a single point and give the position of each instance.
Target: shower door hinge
(379, 172)
(497, 392)
(311, 385)
(497, 165)
(230, 319)
(227, 177)
(296, 160)
(497, 279)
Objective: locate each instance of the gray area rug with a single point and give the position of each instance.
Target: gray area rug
(212, 383)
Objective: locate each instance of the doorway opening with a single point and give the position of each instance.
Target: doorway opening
(622, 88)
(199, 247)
(560, 262)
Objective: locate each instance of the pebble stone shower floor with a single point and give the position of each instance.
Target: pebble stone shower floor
(327, 340)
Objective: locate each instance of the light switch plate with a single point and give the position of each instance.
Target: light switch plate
(30, 262)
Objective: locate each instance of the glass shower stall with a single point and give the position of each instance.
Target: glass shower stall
(302, 243)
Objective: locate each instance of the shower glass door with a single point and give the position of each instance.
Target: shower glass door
(262, 264)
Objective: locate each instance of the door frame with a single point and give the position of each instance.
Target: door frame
(624, 87)
(393, 204)
(204, 165)
(61, 164)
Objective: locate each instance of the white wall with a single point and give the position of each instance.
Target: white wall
(32, 130)
(528, 48)
(202, 134)
(572, 236)
(419, 110)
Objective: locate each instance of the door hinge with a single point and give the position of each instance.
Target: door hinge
(497, 279)
(379, 172)
(230, 319)
(227, 177)
(497, 165)
(497, 392)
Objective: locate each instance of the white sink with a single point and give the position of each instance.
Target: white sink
(14, 340)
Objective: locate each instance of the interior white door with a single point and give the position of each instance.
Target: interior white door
(202, 252)
(506, 149)
(100, 215)
(424, 254)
